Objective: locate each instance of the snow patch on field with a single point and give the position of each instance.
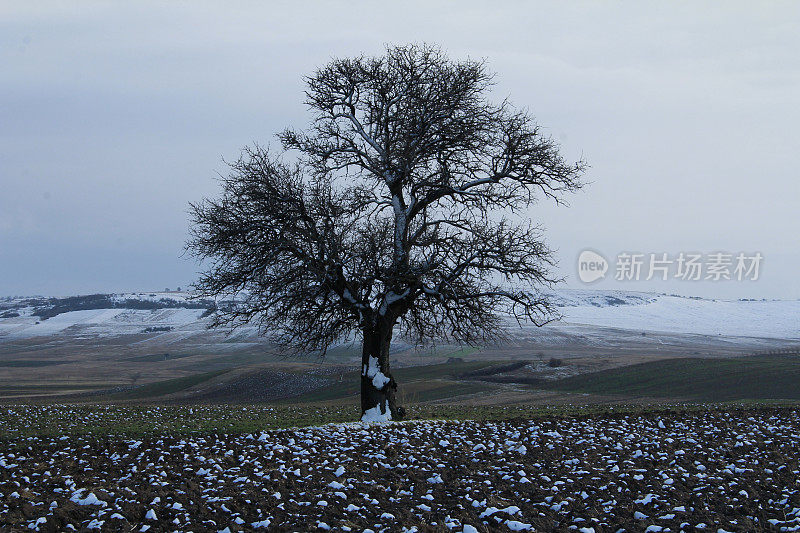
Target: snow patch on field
(608, 470)
(771, 319)
(102, 322)
(375, 414)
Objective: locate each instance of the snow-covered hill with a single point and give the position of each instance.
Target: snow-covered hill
(101, 315)
(174, 316)
(677, 314)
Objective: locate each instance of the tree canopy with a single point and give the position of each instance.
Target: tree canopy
(401, 207)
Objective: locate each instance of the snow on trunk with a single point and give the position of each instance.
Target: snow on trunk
(378, 388)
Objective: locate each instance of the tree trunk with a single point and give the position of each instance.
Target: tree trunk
(378, 387)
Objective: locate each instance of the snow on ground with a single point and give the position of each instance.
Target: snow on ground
(634, 311)
(599, 298)
(182, 296)
(772, 319)
(736, 470)
(100, 322)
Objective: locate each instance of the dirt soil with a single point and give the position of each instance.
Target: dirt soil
(265, 385)
(716, 470)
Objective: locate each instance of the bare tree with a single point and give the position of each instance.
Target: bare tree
(399, 211)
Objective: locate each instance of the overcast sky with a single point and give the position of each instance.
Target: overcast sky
(114, 116)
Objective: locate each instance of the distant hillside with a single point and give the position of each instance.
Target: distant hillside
(589, 316)
(767, 377)
(50, 307)
(101, 314)
(649, 312)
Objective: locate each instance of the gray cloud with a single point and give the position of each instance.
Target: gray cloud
(113, 117)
